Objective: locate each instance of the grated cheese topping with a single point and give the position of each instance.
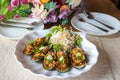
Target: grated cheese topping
(63, 38)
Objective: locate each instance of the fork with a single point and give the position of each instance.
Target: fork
(28, 28)
(33, 24)
(90, 16)
(82, 20)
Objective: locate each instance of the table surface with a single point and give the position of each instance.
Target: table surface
(107, 67)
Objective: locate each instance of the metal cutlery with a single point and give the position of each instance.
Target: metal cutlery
(90, 16)
(82, 20)
(31, 24)
(7, 25)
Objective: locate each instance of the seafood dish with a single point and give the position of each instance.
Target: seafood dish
(60, 50)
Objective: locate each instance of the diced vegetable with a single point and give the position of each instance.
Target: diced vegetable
(79, 55)
(61, 59)
(49, 58)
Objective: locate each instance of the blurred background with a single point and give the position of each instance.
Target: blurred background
(117, 3)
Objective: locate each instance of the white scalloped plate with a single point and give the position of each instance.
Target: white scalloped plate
(37, 69)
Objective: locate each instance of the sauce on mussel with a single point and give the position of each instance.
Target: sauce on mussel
(62, 63)
(49, 60)
(31, 47)
(78, 58)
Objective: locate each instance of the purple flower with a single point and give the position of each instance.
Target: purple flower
(24, 1)
(14, 3)
(63, 14)
(2, 17)
(52, 17)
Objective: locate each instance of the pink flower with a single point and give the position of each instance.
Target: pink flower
(30, 16)
(14, 3)
(10, 8)
(16, 16)
(2, 17)
(24, 1)
(35, 1)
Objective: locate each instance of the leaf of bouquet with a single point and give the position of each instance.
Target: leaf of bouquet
(24, 10)
(4, 10)
(50, 6)
(64, 21)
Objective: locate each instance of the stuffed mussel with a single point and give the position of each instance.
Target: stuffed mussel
(62, 63)
(78, 58)
(49, 60)
(40, 52)
(31, 47)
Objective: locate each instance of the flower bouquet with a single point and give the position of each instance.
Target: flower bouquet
(48, 11)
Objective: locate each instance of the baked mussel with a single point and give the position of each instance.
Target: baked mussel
(40, 52)
(78, 58)
(31, 47)
(62, 63)
(49, 61)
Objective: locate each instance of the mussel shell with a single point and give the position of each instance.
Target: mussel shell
(48, 68)
(63, 71)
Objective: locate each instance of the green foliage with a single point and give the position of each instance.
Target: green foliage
(24, 11)
(68, 1)
(50, 5)
(3, 9)
(64, 21)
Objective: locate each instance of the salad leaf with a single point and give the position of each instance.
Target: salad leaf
(56, 47)
(78, 40)
(49, 35)
(56, 29)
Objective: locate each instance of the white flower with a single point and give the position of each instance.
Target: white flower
(39, 12)
(74, 3)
